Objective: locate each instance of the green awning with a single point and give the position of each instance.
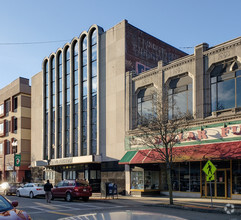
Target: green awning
(127, 157)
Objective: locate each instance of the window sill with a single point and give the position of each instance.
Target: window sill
(226, 112)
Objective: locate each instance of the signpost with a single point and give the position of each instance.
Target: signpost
(210, 169)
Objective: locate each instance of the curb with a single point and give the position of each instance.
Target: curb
(207, 210)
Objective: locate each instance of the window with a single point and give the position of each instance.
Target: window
(60, 102)
(53, 107)
(145, 104)
(7, 106)
(1, 148)
(7, 147)
(2, 110)
(2, 128)
(15, 125)
(84, 96)
(180, 96)
(225, 86)
(6, 127)
(46, 79)
(15, 104)
(236, 185)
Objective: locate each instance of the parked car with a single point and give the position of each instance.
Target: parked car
(9, 188)
(8, 210)
(72, 189)
(31, 190)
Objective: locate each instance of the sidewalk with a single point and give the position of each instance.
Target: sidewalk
(195, 204)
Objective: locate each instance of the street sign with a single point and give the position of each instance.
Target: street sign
(209, 168)
(210, 178)
(17, 160)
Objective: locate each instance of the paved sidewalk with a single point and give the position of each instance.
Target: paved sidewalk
(195, 204)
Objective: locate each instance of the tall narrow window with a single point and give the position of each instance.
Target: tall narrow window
(52, 107)
(76, 97)
(67, 103)
(60, 103)
(46, 110)
(93, 92)
(180, 96)
(84, 95)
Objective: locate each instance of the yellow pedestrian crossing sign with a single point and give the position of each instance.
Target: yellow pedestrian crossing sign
(209, 169)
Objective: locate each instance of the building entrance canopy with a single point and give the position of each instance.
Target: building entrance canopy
(226, 150)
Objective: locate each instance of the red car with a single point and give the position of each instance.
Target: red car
(8, 210)
(72, 189)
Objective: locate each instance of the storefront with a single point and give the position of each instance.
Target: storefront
(220, 144)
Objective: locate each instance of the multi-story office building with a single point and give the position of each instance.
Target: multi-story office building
(206, 84)
(78, 102)
(15, 135)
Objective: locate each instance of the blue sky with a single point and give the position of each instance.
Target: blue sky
(181, 23)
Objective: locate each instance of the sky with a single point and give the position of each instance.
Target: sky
(32, 29)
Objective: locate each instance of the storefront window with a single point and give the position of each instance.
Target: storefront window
(151, 180)
(236, 185)
(137, 180)
(186, 177)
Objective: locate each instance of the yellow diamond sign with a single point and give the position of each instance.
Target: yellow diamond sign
(210, 178)
(209, 168)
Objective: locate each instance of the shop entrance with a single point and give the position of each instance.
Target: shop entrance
(221, 186)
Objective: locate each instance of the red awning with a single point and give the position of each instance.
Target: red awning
(225, 150)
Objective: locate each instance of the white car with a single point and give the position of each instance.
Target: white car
(31, 190)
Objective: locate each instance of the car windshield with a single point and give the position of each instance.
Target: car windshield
(4, 205)
(39, 184)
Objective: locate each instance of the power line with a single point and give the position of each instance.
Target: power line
(37, 42)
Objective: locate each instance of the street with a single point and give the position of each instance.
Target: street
(136, 208)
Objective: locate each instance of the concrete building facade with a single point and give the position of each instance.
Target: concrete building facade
(207, 85)
(78, 103)
(15, 130)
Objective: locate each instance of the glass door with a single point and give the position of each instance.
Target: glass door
(221, 184)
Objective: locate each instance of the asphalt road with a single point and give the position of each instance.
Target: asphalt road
(118, 209)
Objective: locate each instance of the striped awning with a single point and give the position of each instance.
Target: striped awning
(215, 151)
(127, 157)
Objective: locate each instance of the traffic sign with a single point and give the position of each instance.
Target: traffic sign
(209, 168)
(210, 178)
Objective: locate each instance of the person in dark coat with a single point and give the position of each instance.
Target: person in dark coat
(47, 188)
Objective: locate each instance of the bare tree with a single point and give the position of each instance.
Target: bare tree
(160, 132)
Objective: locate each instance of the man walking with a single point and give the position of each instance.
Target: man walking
(47, 188)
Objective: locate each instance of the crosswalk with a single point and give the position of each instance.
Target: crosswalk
(66, 209)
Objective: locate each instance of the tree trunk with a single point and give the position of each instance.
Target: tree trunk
(169, 184)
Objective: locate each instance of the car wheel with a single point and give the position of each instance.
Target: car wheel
(31, 195)
(85, 198)
(18, 194)
(68, 197)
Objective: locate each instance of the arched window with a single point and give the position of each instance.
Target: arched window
(84, 95)
(67, 102)
(226, 85)
(53, 106)
(76, 97)
(93, 92)
(180, 96)
(60, 105)
(46, 78)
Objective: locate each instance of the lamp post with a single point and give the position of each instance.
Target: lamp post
(14, 145)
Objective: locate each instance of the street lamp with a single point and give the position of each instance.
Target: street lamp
(14, 145)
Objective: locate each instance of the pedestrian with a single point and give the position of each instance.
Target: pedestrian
(47, 188)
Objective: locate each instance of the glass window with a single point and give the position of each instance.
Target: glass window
(236, 184)
(76, 49)
(94, 52)
(84, 57)
(84, 69)
(2, 128)
(67, 95)
(76, 77)
(85, 88)
(94, 85)
(1, 109)
(137, 180)
(94, 69)
(84, 43)
(94, 37)
(1, 148)
(60, 58)
(15, 104)
(151, 180)
(76, 61)
(238, 93)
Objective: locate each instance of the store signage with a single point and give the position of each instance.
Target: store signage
(61, 161)
(207, 134)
